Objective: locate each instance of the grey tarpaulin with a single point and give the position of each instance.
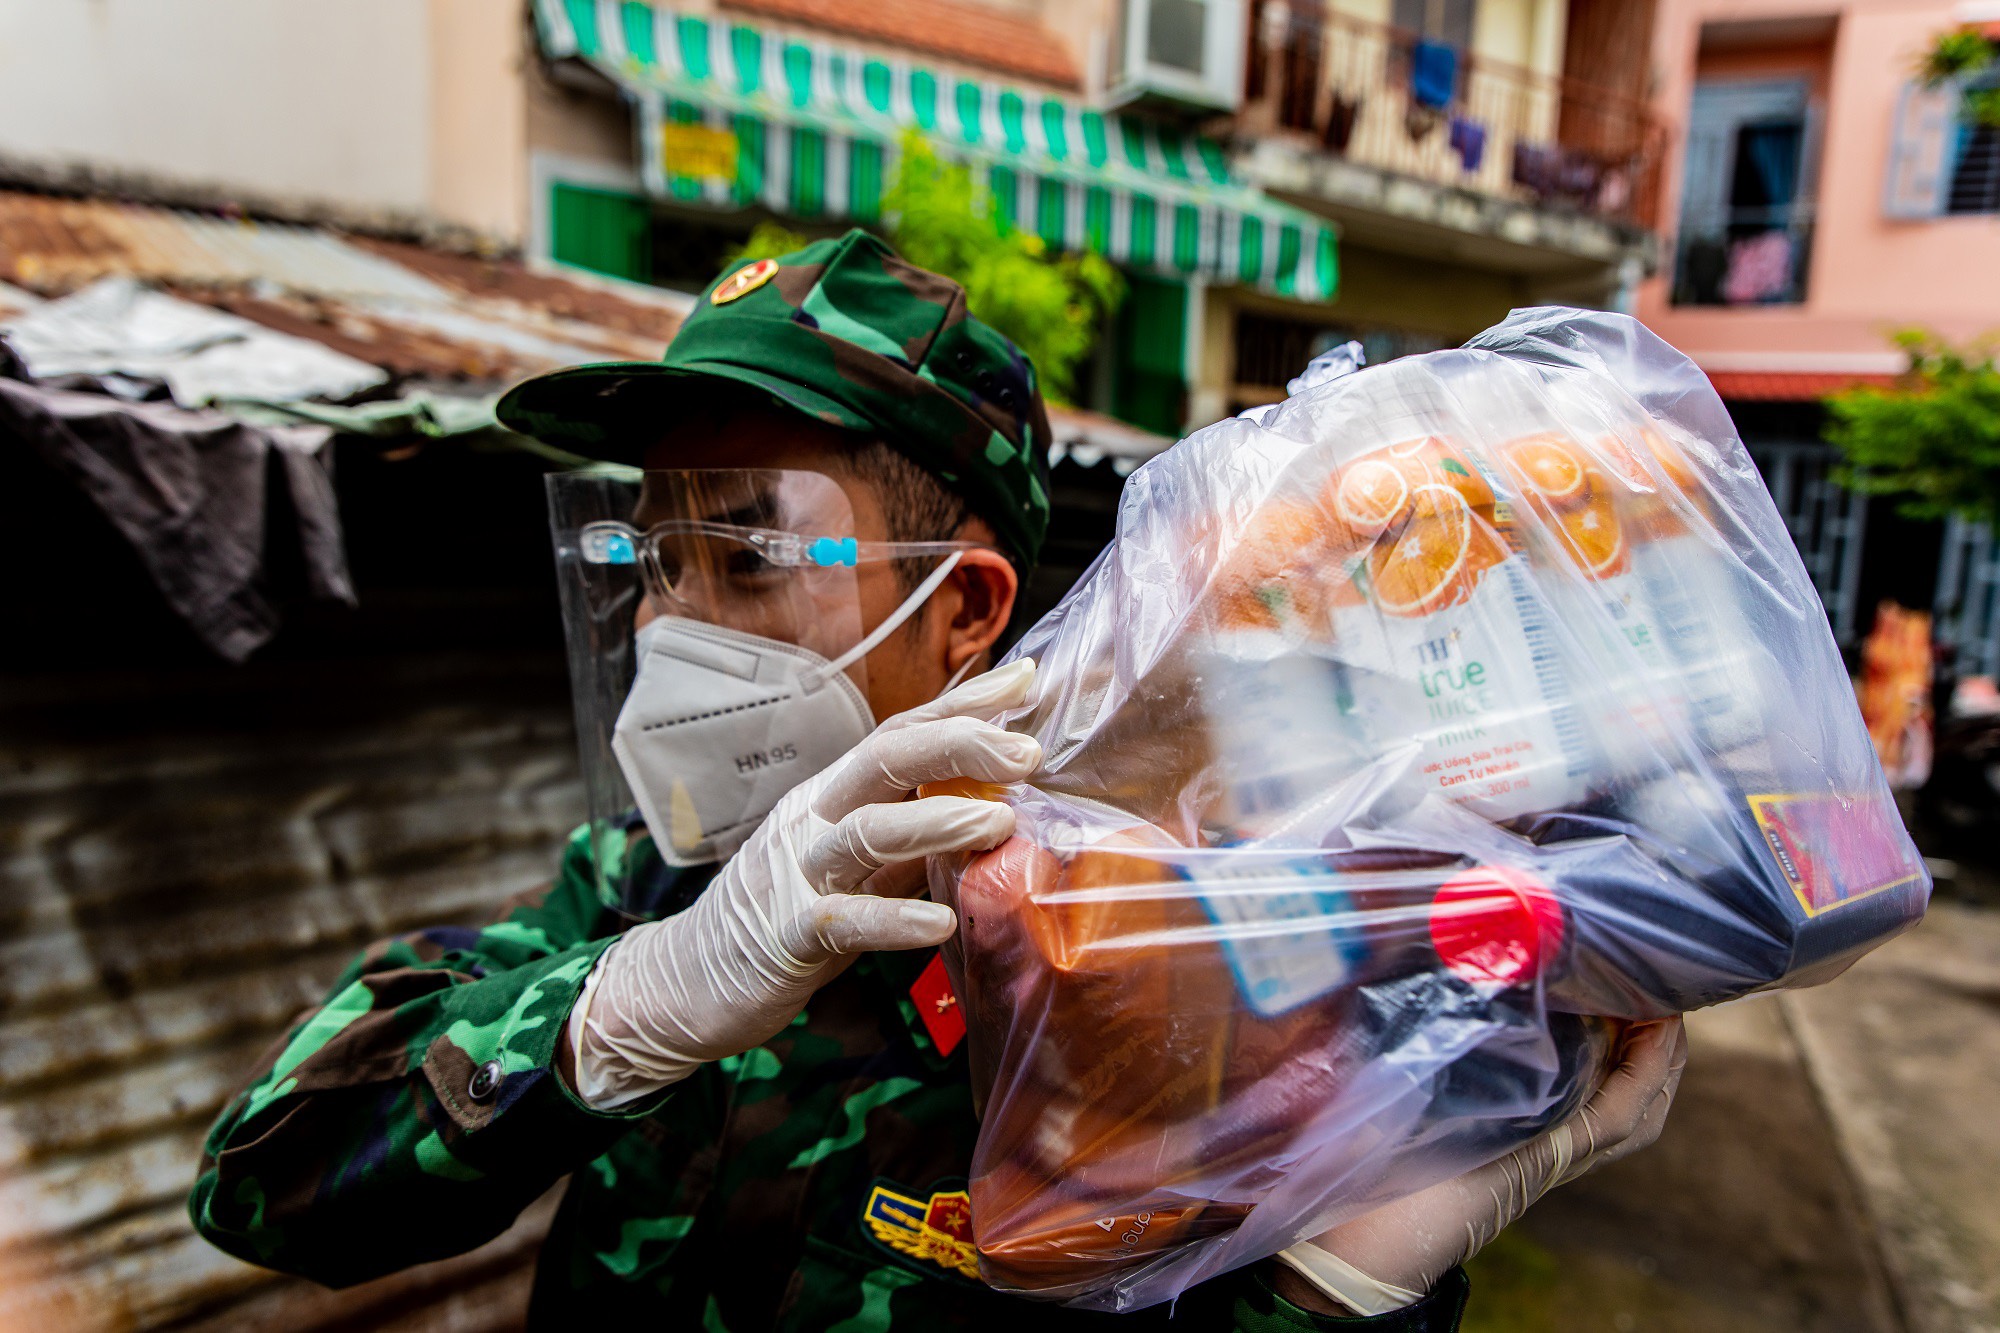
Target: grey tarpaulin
(189, 490)
(120, 326)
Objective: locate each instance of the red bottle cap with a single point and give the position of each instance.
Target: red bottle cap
(1496, 924)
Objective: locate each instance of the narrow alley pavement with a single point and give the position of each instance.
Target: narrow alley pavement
(1829, 1167)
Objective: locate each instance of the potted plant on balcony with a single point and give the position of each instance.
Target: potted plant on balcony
(1968, 57)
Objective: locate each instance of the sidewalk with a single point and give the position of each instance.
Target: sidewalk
(1905, 1051)
(1832, 1164)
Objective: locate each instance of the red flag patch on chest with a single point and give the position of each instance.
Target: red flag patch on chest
(937, 1005)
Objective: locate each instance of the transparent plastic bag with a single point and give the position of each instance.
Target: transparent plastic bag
(1398, 744)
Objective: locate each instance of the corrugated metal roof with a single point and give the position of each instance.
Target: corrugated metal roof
(415, 312)
(1090, 437)
(56, 245)
(172, 894)
(412, 311)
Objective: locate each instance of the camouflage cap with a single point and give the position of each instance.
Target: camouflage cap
(849, 333)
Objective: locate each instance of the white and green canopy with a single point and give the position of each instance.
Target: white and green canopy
(810, 130)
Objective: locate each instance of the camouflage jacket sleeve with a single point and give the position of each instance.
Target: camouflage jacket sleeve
(416, 1112)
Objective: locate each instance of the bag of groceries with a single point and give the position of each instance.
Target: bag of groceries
(1397, 745)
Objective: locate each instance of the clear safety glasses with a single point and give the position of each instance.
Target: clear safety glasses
(693, 562)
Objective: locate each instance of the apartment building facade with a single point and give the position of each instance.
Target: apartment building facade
(1823, 198)
(1408, 171)
(1274, 175)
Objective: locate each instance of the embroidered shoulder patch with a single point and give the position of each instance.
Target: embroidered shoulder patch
(935, 1230)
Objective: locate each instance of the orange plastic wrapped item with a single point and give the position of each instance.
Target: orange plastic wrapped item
(1400, 743)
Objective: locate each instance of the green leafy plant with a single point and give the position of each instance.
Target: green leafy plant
(1933, 439)
(1051, 305)
(1965, 56)
(768, 240)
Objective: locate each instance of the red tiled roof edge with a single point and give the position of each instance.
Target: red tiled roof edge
(971, 33)
(1786, 386)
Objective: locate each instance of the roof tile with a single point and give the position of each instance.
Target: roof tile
(1784, 386)
(976, 34)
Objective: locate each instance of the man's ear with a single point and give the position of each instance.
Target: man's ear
(986, 584)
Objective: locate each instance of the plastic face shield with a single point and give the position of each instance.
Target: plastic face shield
(767, 553)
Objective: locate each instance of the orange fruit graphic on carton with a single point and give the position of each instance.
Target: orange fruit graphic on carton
(1278, 572)
(1446, 464)
(1372, 493)
(1592, 532)
(1435, 557)
(1575, 501)
(1549, 468)
(1650, 472)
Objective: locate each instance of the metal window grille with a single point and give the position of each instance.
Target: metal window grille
(1826, 522)
(1975, 178)
(1968, 596)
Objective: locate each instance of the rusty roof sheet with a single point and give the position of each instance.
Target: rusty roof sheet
(415, 312)
(173, 894)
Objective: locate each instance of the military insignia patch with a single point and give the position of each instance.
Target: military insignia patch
(743, 281)
(937, 1230)
(938, 1007)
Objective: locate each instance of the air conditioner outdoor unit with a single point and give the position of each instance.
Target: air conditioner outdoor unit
(1186, 53)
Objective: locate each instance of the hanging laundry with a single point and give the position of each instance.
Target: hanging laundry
(1433, 74)
(1420, 121)
(1340, 118)
(1760, 269)
(1535, 169)
(1577, 176)
(1468, 140)
(1615, 191)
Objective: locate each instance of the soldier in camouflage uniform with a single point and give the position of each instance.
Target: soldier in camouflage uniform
(814, 1181)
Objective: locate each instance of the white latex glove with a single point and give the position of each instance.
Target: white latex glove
(1390, 1258)
(793, 906)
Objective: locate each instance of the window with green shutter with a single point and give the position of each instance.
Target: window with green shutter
(1151, 341)
(601, 230)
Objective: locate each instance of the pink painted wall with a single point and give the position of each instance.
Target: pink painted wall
(1869, 273)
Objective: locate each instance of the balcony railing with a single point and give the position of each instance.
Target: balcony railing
(1355, 89)
(1747, 256)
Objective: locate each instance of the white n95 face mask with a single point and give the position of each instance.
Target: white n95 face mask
(720, 724)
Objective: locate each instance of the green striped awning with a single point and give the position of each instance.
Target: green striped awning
(733, 116)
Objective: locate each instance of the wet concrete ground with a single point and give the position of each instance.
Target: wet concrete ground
(1832, 1165)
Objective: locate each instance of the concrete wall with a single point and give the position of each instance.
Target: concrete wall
(479, 123)
(404, 111)
(279, 97)
(1869, 273)
(1521, 32)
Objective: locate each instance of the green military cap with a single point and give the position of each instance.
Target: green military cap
(849, 333)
